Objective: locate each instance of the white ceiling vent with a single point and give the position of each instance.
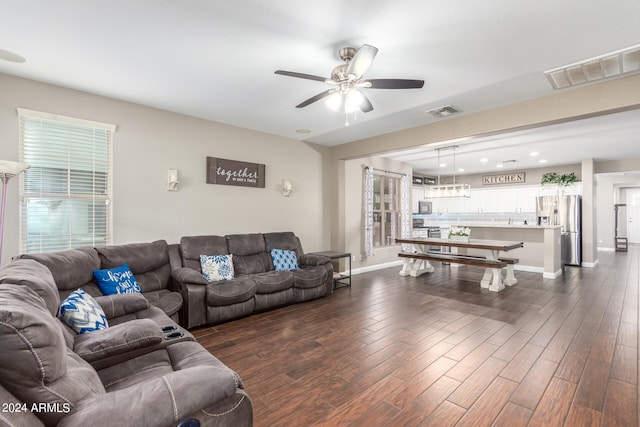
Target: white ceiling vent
(615, 64)
(445, 111)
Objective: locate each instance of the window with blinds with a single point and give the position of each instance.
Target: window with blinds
(66, 192)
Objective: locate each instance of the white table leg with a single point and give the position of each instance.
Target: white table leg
(510, 278)
(416, 267)
(492, 278)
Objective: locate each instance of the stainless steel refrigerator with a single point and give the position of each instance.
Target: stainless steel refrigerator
(565, 211)
(570, 213)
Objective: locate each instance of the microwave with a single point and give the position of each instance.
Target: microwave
(425, 207)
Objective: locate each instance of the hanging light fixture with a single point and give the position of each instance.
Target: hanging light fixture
(447, 191)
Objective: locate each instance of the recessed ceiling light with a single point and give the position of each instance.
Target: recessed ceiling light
(533, 153)
(303, 131)
(542, 161)
(499, 165)
(484, 160)
(461, 170)
(443, 165)
(445, 111)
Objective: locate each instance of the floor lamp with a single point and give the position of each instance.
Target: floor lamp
(8, 169)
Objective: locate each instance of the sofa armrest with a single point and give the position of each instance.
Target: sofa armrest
(312, 259)
(161, 401)
(119, 339)
(121, 304)
(184, 275)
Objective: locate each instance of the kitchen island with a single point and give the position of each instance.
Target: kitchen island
(541, 251)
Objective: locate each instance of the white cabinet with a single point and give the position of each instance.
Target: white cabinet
(417, 195)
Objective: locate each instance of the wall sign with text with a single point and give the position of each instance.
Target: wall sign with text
(234, 172)
(507, 178)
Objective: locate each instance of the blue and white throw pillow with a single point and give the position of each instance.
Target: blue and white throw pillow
(284, 259)
(217, 267)
(117, 280)
(82, 313)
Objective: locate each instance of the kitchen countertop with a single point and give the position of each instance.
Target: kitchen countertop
(490, 225)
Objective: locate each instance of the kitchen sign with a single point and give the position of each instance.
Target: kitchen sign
(507, 178)
(234, 172)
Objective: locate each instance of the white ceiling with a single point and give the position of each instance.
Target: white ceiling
(216, 60)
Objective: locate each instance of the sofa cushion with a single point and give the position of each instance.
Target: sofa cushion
(249, 253)
(273, 281)
(36, 276)
(149, 262)
(309, 277)
(283, 240)
(169, 302)
(71, 269)
(229, 292)
(284, 260)
(82, 313)
(217, 267)
(192, 247)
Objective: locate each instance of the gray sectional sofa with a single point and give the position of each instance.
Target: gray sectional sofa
(142, 370)
(257, 286)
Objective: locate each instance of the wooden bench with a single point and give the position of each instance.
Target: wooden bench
(458, 259)
(492, 279)
(510, 278)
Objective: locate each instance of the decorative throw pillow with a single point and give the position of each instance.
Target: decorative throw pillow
(82, 313)
(217, 267)
(117, 280)
(284, 259)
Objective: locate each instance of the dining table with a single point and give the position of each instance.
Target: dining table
(490, 249)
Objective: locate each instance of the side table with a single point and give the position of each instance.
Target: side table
(340, 280)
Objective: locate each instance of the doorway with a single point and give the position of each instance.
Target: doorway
(633, 215)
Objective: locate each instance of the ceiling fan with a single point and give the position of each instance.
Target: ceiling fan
(348, 79)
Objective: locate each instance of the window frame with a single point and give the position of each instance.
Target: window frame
(26, 194)
(382, 212)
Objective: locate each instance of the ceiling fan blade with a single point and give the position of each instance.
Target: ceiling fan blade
(361, 61)
(394, 84)
(366, 105)
(301, 75)
(316, 98)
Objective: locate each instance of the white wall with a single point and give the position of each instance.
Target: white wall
(148, 141)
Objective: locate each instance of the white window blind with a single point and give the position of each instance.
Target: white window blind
(66, 192)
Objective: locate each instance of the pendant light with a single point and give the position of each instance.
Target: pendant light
(448, 191)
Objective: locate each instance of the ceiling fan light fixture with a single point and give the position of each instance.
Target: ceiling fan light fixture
(334, 101)
(354, 100)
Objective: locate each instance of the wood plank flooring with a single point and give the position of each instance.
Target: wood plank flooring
(438, 350)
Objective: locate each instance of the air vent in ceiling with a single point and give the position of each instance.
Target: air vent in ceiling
(445, 111)
(611, 65)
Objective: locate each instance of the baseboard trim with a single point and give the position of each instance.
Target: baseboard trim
(375, 267)
(590, 264)
(555, 275)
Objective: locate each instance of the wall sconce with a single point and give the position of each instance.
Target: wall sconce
(286, 187)
(172, 180)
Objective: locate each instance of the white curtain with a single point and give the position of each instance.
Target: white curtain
(405, 210)
(368, 211)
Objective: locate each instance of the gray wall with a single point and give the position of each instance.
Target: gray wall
(149, 141)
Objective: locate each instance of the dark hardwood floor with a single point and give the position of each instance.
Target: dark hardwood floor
(439, 351)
